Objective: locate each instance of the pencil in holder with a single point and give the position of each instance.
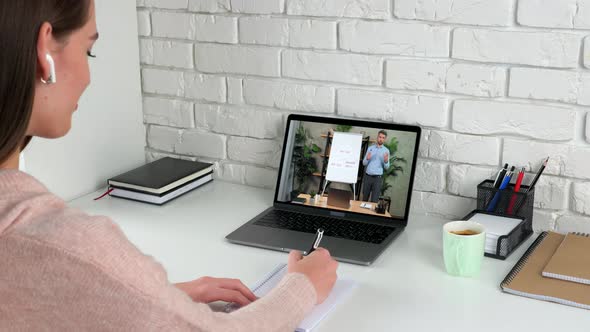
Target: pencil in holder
(506, 202)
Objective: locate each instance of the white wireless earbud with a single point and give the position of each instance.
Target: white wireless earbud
(52, 77)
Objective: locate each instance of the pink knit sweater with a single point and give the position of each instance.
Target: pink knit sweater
(62, 270)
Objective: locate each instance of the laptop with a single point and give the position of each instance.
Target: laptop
(322, 155)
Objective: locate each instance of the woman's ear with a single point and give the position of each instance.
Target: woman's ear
(45, 63)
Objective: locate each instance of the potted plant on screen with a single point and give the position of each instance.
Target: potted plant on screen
(312, 198)
(303, 160)
(394, 167)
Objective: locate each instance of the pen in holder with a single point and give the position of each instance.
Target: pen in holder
(509, 203)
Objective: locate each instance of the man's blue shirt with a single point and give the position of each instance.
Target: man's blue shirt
(377, 164)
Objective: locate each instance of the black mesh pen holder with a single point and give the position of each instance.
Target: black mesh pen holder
(508, 203)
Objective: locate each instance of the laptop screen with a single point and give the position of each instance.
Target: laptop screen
(351, 166)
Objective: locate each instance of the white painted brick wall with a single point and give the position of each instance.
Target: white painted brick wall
(581, 197)
(549, 84)
(312, 34)
(236, 6)
(166, 53)
(184, 84)
(254, 151)
(445, 76)
(219, 29)
(466, 149)
(209, 6)
(462, 180)
(258, 6)
(341, 8)
(554, 14)
(544, 49)
(144, 25)
(430, 176)
(551, 193)
(543, 220)
(473, 12)
(161, 81)
(534, 121)
(489, 81)
(476, 80)
(217, 58)
(289, 96)
(168, 112)
(298, 33)
(173, 25)
(205, 87)
(345, 68)
(416, 74)
(235, 94)
(417, 39)
(193, 143)
(167, 4)
(566, 159)
(264, 30)
(447, 206)
(571, 223)
(400, 108)
(239, 121)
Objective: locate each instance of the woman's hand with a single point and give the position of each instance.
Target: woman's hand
(319, 267)
(208, 289)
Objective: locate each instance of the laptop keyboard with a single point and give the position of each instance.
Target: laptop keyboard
(333, 227)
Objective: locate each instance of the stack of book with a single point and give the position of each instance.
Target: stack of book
(161, 181)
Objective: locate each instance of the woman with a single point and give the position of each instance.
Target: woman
(61, 269)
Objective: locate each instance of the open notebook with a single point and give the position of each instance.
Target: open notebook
(571, 261)
(342, 288)
(526, 279)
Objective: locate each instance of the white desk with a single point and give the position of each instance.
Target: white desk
(406, 289)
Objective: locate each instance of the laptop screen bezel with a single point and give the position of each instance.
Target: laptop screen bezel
(360, 217)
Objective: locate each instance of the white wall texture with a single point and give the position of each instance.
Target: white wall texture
(489, 81)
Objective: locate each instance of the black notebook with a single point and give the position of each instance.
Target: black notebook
(161, 176)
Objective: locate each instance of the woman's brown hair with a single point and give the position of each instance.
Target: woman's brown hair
(20, 23)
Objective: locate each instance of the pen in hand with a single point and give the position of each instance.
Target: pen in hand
(316, 243)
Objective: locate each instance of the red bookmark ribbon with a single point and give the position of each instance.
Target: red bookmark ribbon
(103, 195)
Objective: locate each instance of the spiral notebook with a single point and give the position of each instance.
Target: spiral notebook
(525, 279)
(342, 289)
(571, 261)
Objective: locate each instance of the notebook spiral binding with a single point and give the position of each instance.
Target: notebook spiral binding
(522, 261)
(229, 307)
(581, 234)
(271, 275)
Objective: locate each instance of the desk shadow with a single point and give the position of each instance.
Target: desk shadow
(434, 256)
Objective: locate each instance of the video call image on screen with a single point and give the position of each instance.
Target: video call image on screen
(355, 169)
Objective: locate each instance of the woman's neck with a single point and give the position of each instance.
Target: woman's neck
(12, 161)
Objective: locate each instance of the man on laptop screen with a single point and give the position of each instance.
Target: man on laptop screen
(377, 163)
(321, 175)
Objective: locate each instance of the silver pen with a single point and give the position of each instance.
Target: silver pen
(318, 238)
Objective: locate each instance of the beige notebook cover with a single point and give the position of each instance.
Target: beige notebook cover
(571, 261)
(525, 279)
